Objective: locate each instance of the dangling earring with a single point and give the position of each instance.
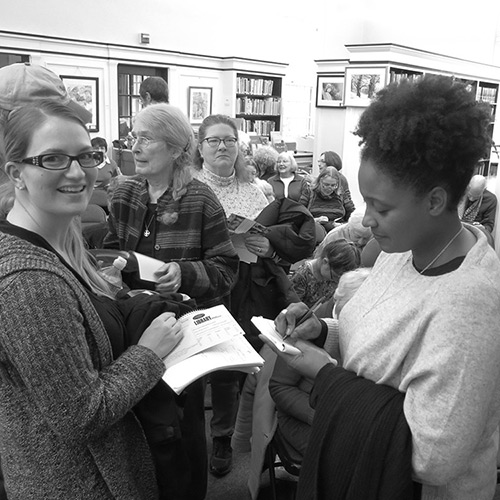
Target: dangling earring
(20, 187)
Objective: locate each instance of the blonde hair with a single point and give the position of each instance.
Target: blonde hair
(19, 130)
(349, 283)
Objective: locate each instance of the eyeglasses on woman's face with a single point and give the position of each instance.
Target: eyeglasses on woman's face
(214, 142)
(143, 141)
(60, 161)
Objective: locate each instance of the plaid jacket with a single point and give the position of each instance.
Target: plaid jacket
(198, 240)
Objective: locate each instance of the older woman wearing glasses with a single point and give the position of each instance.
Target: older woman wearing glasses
(326, 199)
(164, 213)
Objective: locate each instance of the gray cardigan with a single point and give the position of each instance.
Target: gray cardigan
(66, 429)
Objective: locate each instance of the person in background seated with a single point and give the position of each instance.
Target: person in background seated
(287, 182)
(290, 390)
(153, 90)
(263, 185)
(418, 344)
(105, 172)
(326, 200)
(67, 429)
(353, 230)
(265, 158)
(478, 206)
(317, 279)
(332, 159)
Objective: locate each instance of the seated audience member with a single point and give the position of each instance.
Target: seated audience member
(316, 279)
(332, 159)
(263, 185)
(418, 344)
(326, 200)
(67, 428)
(479, 205)
(287, 183)
(105, 172)
(265, 159)
(290, 390)
(153, 90)
(353, 230)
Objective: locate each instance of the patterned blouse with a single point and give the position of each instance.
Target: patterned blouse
(235, 196)
(309, 288)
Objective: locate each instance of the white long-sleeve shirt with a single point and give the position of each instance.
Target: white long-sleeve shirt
(437, 339)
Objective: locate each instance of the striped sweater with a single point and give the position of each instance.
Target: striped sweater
(198, 241)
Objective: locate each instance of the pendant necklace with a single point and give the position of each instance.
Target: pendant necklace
(147, 232)
(381, 299)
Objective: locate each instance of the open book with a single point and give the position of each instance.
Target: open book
(266, 328)
(212, 340)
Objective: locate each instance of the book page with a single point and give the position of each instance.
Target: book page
(234, 354)
(266, 327)
(203, 329)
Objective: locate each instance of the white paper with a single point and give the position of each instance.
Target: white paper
(148, 266)
(202, 330)
(266, 327)
(241, 249)
(235, 354)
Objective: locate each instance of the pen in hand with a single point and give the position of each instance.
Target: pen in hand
(305, 317)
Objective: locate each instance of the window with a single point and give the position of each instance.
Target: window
(129, 102)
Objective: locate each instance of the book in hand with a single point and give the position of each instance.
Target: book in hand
(266, 328)
(212, 340)
(239, 226)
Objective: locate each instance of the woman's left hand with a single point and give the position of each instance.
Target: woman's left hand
(259, 245)
(170, 278)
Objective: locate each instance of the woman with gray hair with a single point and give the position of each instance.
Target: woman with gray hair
(287, 182)
(164, 213)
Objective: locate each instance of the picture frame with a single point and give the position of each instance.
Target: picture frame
(330, 91)
(85, 92)
(199, 104)
(361, 85)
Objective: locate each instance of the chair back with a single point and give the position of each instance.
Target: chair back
(93, 214)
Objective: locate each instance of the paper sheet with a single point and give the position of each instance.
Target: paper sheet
(266, 327)
(148, 266)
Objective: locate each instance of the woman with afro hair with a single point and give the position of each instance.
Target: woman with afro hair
(415, 393)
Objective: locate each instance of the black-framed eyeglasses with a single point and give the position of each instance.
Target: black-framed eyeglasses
(214, 142)
(60, 161)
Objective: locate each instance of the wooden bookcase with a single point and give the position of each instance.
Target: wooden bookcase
(258, 103)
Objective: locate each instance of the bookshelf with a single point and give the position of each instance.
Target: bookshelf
(258, 103)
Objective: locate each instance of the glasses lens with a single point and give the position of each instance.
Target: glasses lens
(214, 142)
(230, 142)
(54, 161)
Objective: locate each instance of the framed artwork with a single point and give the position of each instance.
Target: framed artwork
(361, 85)
(85, 91)
(199, 104)
(329, 91)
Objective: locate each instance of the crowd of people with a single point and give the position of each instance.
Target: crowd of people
(393, 308)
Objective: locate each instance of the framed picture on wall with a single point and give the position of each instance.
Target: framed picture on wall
(85, 91)
(199, 104)
(330, 91)
(361, 85)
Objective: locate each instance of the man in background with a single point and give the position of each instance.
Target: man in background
(153, 90)
(479, 205)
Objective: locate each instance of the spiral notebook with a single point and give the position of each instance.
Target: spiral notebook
(212, 340)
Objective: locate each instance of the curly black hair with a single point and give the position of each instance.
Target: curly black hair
(425, 134)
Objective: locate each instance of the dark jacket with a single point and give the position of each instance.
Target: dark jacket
(263, 288)
(294, 188)
(360, 443)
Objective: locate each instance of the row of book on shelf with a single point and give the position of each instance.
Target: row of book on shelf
(267, 106)
(260, 127)
(257, 86)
